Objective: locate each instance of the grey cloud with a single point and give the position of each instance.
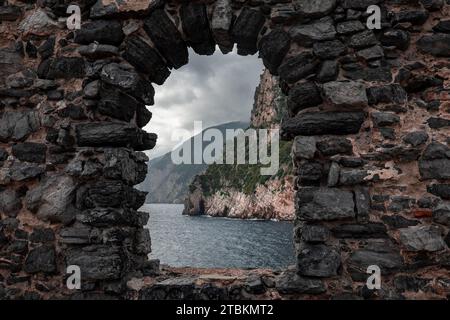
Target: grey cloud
(214, 89)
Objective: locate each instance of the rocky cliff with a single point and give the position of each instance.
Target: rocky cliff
(239, 191)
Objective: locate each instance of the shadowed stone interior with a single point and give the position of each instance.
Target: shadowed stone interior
(369, 116)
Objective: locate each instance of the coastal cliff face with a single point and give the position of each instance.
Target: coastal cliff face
(240, 191)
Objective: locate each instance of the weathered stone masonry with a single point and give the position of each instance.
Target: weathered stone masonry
(370, 115)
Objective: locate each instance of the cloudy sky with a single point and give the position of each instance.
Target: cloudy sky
(215, 89)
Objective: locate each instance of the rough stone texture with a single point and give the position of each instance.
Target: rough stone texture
(220, 24)
(422, 238)
(341, 94)
(196, 28)
(318, 261)
(166, 38)
(245, 30)
(72, 105)
(324, 204)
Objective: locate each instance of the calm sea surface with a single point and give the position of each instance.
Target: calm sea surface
(207, 242)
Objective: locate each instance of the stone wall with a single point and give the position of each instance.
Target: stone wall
(369, 112)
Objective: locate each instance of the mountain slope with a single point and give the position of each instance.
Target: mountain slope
(167, 182)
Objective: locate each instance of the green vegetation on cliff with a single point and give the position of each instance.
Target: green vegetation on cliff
(243, 177)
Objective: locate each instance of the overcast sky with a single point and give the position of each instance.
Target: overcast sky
(215, 89)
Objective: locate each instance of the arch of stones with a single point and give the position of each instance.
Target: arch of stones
(369, 116)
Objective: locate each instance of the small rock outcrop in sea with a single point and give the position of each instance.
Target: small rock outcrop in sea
(368, 118)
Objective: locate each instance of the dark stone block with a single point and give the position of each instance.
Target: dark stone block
(441, 214)
(438, 123)
(41, 259)
(329, 49)
(299, 67)
(310, 173)
(126, 166)
(440, 190)
(179, 288)
(111, 134)
(166, 38)
(314, 233)
(363, 39)
(117, 104)
(42, 235)
(273, 48)
(322, 123)
(19, 247)
(410, 283)
(102, 10)
(98, 262)
(105, 217)
(151, 268)
(397, 38)
(349, 177)
(416, 138)
(381, 73)
(102, 31)
(245, 30)
(392, 93)
(384, 119)
(10, 13)
(328, 71)
(443, 26)
(289, 282)
(17, 126)
(335, 145)
(435, 162)
(388, 260)
(128, 81)
(194, 20)
(109, 193)
(303, 95)
(30, 151)
(358, 4)
(400, 203)
(397, 221)
(346, 94)
(415, 17)
(362, 203)
(360, 231)
(3, 155)
(65, 68)
(317, 204)
(314, 9)
(307, 34)
(145, 59)
(318, 261)
(47, 48)
(436, 44)
(10, 202)
(81, 235)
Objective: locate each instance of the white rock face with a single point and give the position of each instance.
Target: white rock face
(270, 201)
